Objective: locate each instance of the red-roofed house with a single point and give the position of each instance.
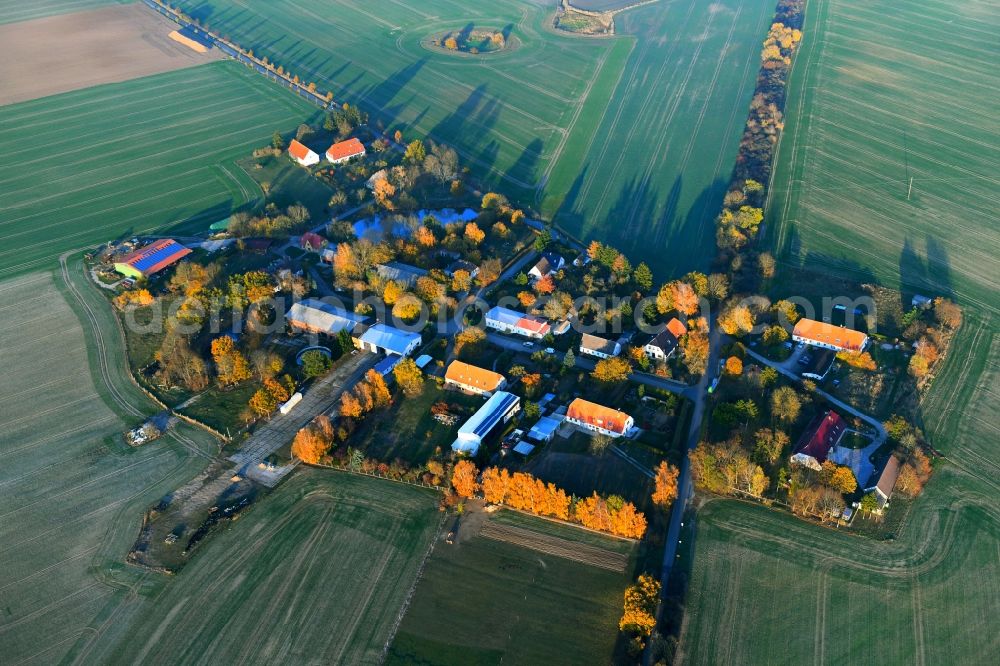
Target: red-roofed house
(822, 435)
(345, 150)
(301, 154)
(598, 418)
(311, 241)
(474, 379)
(512, 321)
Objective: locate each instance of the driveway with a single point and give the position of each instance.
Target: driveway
(321, 398)
(880, 434)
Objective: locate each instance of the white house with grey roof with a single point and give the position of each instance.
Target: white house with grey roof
(315, 316)
(593, 345)
(404, 274)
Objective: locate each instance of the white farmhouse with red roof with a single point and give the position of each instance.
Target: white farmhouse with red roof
(301, 154)
(345, 150)
(512, 321)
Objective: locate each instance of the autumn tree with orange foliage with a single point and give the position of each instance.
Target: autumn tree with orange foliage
(425, 237)
(524, 492)
(384, 191)
(474, 234)
(310, 445)
(665, 491)
(230, 364)
(350, 406)
(380, 390)
(610, 515)
(526, 298)
(862, 361)
(641, 600)
(463, 478)
(136, 297)
(495, 484)
(546, 285)
(612, 370)
(734, 366)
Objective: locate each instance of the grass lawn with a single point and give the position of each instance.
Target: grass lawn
(867, 112)
(569, 466)
(489, 602)
(152, 153)
(222, 409)
(407, 430)
(315, 571)
(289, 184)
(628, 139)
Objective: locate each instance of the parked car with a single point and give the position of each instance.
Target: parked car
(528, 344)
(550, 350)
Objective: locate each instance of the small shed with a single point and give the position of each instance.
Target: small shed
(524, 448)
(544, 430)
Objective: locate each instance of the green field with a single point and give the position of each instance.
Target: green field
(12, 11)
(483, 601)
(316, 572)
(151, 153)
(71, 492)
(881, 93)
(650, 179)
(629, 139)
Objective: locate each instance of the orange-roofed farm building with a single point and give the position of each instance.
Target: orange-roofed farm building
(151, 258)
(598, 418)
(301, 154)
(474, 379)
(828, 336)
(677, 327)
(345, 150)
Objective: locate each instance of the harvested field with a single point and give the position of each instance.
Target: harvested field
(316, 572)
(12, 11)
(72, 492)
(152, 153)
(553, 545)
(104, 45)
(485, 601)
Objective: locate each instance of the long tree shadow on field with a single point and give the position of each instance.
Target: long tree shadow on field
(474, 117)
(567, 216)
(198, 222)
(379, 96)
(523, 170)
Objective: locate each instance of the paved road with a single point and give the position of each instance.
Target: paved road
(699, 397)
(455, 324)
(321, 398)
(585, 363)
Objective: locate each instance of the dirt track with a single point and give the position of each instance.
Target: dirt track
(73, 51)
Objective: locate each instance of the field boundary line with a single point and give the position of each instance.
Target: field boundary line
(413, 589)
